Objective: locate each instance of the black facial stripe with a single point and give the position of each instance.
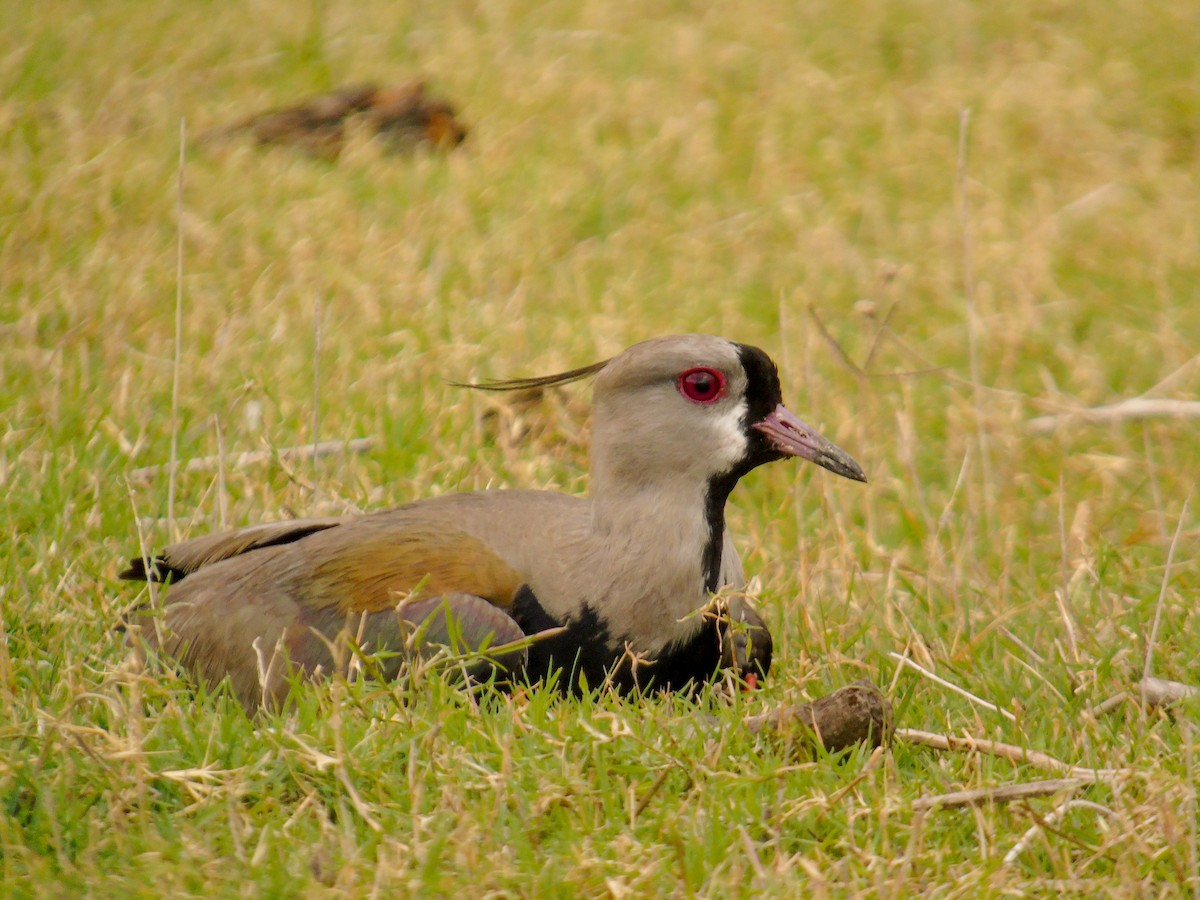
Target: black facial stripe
(714, 513)
(762, 396)
(762, 383)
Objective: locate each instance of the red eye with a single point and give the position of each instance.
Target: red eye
(702, 385)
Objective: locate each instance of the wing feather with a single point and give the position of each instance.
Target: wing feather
(371, 569)
(184, 558)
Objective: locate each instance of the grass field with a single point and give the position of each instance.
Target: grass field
(943, 220)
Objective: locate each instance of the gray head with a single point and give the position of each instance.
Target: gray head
(702, 407)
(693, 407)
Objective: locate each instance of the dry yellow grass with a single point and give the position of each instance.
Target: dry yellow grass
(746, 170)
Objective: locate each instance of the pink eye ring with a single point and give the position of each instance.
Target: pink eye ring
(702, 385)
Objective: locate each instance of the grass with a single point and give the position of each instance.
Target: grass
(631, 171)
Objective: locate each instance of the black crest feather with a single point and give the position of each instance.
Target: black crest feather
(536, 381)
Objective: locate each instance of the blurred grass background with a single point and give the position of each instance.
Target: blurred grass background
(840, 183)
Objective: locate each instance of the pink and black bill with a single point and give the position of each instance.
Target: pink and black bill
(779, 432)
(792, 437)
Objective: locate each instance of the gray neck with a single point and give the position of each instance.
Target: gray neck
(662, 542)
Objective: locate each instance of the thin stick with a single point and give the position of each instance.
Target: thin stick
(1062, 597)
(1087, 205)
(649, 795)
(6, 679)
(962, 692)
(1049, 821)
(1162, 594)
(1154, 693)
(222, 493)
(252, 457)
(751, 852)
(1006, 794)
(944, 518)
(1133, 408)
(1016, 754)
(833, 344)
(1105, 707)
(316, 410)
(178, 324)
(146, 556)
(964, 217)
(1161, 692)
(1169, 381)
(1152, 471)
(877, 338)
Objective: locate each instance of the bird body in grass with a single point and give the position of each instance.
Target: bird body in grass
(404, 116)
(618, 586)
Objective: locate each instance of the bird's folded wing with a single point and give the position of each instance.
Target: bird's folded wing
(186, 557)
(293, 601)
(377, 565)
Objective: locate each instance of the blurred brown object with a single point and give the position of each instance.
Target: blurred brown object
(856, 714)
(404, 116)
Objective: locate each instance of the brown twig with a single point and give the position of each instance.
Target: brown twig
(833, 344)
(987, 704)
(174, 464)
(1049, 821)
(316, 357)
(1005, 794)
(1162, 595)
(649, 795)
(877, 338)
(1168, 382)
(1134, 408)
(1062, 596)
(1035, 758)
(222, 491)
(972, 311)
(1154, 693)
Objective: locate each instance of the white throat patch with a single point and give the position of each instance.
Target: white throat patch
(732, 440)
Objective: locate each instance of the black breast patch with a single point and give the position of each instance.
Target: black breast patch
(585, 653)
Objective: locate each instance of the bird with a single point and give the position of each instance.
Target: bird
(404, 116)
(635, 585)
(408, 115)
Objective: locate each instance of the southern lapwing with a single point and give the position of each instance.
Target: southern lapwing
(617, 587)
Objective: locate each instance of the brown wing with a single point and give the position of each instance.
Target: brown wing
(373, 567)
(186, 557)
(288, 605)
(316, 124)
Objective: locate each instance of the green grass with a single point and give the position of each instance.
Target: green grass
(631, 171)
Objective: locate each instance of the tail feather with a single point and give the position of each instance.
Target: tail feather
(179, 560)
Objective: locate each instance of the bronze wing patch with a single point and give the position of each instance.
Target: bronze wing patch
(370, 569)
